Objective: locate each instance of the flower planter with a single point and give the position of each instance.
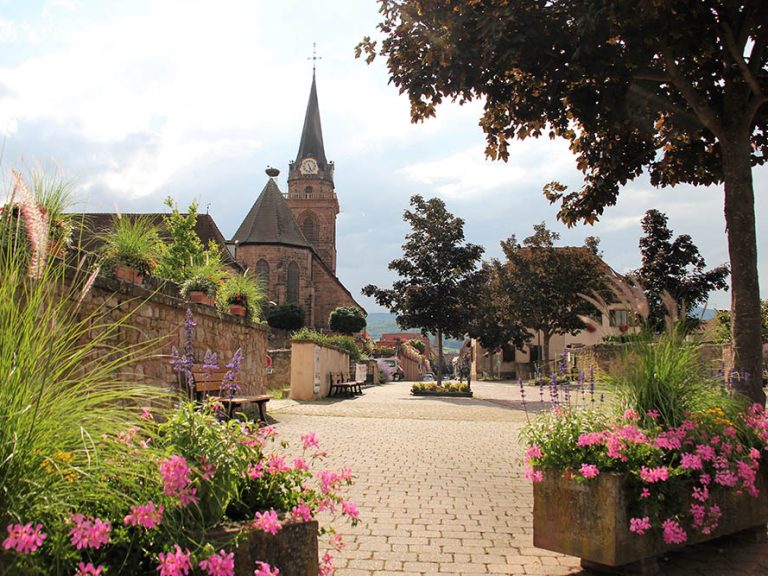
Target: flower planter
(127, 274)
(441, 393)
(591, 520)
(293, 550)
(199, 297)
(237, 310)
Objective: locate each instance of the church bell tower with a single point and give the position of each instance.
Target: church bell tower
(311, 193)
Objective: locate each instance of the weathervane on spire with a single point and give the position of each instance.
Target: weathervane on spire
(314, 57)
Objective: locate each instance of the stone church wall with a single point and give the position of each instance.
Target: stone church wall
(158, 318)
(328, 295)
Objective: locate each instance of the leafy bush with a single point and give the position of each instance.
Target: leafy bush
(347, 319)
(286, 317)
(346, 343)
(434, 387)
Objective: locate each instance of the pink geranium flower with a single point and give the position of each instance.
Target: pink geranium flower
(639, 525)
(653, 475)
(221, 564)
(589, 470)
(267, 521)
(264, 569)
(89, 532)
(88, 569)
(534, 475)
(175, 563)
(301, 512)
(24, 539)
(349, 508)
(145, 515)
(673, 532)
(309, 440)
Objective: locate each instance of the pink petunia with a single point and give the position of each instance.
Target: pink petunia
(221, 564)
(24, 539)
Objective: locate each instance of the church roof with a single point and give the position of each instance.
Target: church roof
(270, 221)
(312, 135)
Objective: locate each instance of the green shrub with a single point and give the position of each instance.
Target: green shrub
(347, 320)
(286, 317)
(133, 242)
(346, 343)
(243, 289)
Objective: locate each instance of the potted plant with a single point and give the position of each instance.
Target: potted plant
(131, 248)
(241, 295)
(674, 459)
(203, 283)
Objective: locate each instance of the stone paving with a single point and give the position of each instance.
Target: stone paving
(440, 488)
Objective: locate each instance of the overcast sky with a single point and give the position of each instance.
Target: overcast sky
(137, 100)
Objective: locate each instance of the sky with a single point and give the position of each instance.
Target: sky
(135, 101)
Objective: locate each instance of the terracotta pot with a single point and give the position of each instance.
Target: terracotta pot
(199, 297)
(127, 274)
(623, 328)
(237, 310)
(591, 520)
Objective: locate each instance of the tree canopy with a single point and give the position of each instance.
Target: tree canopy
(677, 89)
(286, 317)
(347, 320)
(438, 277)
(541, 284)
(673, 266)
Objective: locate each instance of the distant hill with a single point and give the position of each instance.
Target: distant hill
(384, 323)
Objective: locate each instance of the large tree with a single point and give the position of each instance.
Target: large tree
(675, 87)
(673, 266)
(438, 275)
(541, 284)
(491, 323)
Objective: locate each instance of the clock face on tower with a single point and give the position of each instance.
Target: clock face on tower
(308, 166)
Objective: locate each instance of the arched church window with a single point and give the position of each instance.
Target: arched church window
(262, 272)
(293, 283)
(309, 227)
(308, 191)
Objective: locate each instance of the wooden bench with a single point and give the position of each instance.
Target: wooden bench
(208, 384)
(340, 383)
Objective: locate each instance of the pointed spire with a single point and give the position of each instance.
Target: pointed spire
(312, 135)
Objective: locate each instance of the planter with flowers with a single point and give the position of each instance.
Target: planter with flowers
(203, 283)
(131, 248)
(451, 389)
(241, 295)
(678, 461)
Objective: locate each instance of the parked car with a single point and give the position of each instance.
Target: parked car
(391, 369)
(428, 377)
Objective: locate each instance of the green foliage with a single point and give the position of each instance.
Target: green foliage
(438, 277)
(435, 387)
(539, 285)
(134, 242)
(675, 267)
(723, 323)
(185, 249)
(61, 401)
(346, 343)
(674, 91)
(286, 317)
(205, 277)
(243, 289)
(418, 344)
(54, 194)
(347, 320)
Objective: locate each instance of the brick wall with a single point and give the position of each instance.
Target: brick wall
(157, 317)
(329, 295)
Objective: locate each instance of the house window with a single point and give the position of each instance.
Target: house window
(308, 192)
(309, 227)
(262, 272)
(618, 318)
(535, 353)
(293, 283)
(507, 353)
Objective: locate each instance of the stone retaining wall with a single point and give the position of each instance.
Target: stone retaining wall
(157, 316)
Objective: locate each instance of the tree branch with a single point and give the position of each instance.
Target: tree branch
(653, 77)
(733, 50)
(706, 114)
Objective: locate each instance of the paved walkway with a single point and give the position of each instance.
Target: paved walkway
(440, 488)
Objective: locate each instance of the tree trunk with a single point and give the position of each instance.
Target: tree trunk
(545, 337)
(439, 358)
(742, 249)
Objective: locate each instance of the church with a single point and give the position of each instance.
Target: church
(289, 239)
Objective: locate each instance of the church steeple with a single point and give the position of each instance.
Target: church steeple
(311, 191)
(311, 144)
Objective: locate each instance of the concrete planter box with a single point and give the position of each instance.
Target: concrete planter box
(591, 520)
(293, 550)
(441, 393)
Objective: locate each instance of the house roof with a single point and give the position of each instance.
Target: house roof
(312, 134)
(95, 224)
(270, 221)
